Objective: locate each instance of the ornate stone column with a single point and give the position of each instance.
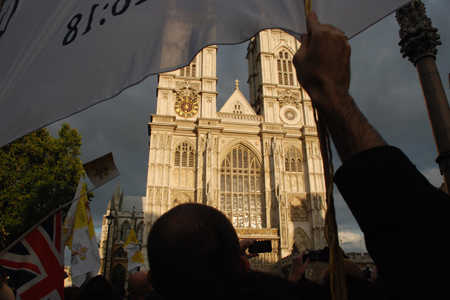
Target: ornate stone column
(418, 41)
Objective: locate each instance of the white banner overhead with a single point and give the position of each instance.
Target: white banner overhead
(60, 57)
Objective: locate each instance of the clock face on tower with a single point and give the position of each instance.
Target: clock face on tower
(186, 106)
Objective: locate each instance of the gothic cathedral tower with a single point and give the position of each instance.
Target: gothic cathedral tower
(295, 163)
(259, 162)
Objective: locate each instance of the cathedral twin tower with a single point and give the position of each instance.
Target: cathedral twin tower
(258, 162)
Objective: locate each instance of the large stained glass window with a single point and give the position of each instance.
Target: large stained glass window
(240, 188)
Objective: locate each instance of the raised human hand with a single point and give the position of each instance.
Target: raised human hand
(244, 244)
(323, 63)
(298, 267)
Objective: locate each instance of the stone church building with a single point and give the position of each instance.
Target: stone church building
(258, 160)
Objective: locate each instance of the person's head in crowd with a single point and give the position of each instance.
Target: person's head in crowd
(138, 285)
(97, 288)
(5, 291)
(190, 247)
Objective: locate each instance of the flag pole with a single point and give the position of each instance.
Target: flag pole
(338, 283)
(418, 41)
(42, 221)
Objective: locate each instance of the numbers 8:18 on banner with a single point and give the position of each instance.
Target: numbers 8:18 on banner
(117, 8)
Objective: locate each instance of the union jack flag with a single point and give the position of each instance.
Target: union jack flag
(36, 263)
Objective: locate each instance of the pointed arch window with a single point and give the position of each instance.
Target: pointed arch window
(285, 69)
(293, 160)
(118, 276)
(140, 232)
(190, 70)
(125, 230)
(237, 108)
(240, 188)
(184, 156)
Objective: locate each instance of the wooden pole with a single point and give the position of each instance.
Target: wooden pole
(418, 42)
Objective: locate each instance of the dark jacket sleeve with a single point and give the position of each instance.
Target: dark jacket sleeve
(405, 221)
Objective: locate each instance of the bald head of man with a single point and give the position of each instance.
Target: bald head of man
(138, 285)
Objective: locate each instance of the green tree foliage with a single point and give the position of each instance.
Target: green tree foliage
(38, 174)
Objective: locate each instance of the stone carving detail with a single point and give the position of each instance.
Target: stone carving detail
(257, 231)
(186, 124)
(276, 148)
(202, 144)
(240, 117)
(317, 152)
(187, 88)
(162, 119)
(212, 200)
(165, 200)
(418, 37)
(301, 240)
(158, 196)
(267, 147)
(180, 198)
(311, 130)
(150, 196)
(281, 36)
(310, 150)
(168, 142)
(298, 210)
(209, 123)
(291, 131)
(154, 141)
(275, 246)
(200, 196)
(287, 97)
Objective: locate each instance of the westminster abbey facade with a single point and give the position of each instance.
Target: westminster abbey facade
(258, 160)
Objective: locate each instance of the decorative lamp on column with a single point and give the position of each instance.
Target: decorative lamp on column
(109, 220)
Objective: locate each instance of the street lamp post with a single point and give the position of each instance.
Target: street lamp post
(418, 41)
(110, 219)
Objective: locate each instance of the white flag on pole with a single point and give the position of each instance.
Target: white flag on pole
(60, 57)
(80, 237)
(101, 170)
(135, 257)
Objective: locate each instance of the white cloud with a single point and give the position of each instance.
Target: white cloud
(352, 241)
(434, 176)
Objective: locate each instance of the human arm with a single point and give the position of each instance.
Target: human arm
(244, 244)
(323, 69)
(298, 267)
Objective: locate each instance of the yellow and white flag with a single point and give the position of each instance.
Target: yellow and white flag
(80, 237)
(135, 257)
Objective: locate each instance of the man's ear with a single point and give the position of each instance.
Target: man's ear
(244, 265)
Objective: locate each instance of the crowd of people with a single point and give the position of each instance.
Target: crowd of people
(194, 251)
